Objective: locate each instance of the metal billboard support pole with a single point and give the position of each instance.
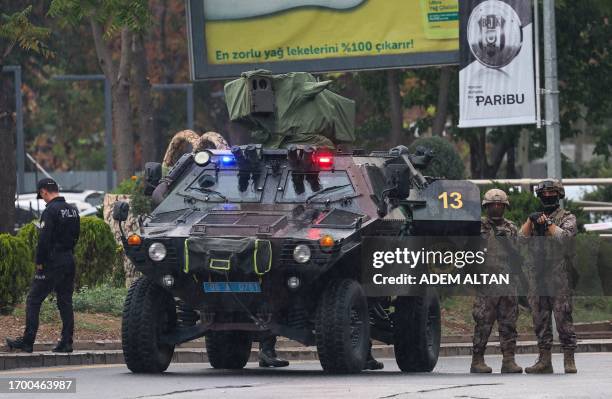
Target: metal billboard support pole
(108, 121)
(553, 135)
(20, 142)
(536, 30)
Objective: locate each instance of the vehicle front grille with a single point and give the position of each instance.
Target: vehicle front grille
(243, 223)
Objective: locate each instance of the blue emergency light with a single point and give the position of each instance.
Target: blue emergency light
(228, 160)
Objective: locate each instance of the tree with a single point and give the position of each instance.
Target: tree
(142, 86)
(395, 101)
(109, 19)
(439, 122)
(585, 59)
(16, 31)
(445, 163)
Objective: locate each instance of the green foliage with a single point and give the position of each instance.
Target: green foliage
(100, 299)
(373, 133)
(29, 234)
(599, 168)
(68, 116)
(117, 277)
(17, 30)
(16, 269)
(140, 204)
(590, 309)
(585, 61)
(95, 253)
(446, 163)
(114, 14)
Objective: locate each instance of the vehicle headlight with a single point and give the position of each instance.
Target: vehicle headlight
(157, 251)
(301, 253)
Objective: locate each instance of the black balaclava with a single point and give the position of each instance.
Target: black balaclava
(495, 213)
(549, 203)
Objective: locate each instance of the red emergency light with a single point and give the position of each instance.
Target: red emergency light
(325, 161)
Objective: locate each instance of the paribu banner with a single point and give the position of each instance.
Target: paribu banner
(496, 79)
(231, 36)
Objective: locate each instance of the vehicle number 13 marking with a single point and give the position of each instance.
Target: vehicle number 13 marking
(455, 200)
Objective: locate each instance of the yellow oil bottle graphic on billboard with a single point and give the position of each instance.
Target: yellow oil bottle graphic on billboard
(440, 18)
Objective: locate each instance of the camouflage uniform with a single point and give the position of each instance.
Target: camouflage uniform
(189, 141)
(561, 304)
(557, 273)
(488, 309)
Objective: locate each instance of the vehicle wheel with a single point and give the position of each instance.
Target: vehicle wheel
(416, 332)
(148, 312)
(342, 327)
(228, 349)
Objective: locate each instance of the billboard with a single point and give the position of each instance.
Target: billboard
(227, 37)
(496, 79)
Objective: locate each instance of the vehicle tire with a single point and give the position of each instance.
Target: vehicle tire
(342, 327)
(148, 312)
(416, 332)
(228, 349)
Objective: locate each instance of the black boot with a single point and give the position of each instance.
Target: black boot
(373, 364)
(267, 354)
(63, 347)
(20, 343)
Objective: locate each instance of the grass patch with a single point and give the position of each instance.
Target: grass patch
(101, 299)
(588, 309)
(48, 311)
(86, 325)
(458, 313)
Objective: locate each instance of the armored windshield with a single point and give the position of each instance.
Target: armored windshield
(226, 186)
(316, 187)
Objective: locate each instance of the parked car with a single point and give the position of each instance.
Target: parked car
(28, 207)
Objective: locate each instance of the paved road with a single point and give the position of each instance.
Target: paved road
(306, 380)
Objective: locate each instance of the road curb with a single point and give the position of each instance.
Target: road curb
(585, 331)
(10, 360)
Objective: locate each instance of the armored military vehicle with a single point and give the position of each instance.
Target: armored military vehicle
(255, 240)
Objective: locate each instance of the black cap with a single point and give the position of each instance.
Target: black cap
(46, 183)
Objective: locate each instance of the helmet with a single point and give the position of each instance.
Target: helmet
(551, 184)
(495, 195)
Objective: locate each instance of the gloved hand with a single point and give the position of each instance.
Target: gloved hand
(534, 217)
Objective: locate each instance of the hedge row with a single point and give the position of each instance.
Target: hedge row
(16, 270)
(96, 259)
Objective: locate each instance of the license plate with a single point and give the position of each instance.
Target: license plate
(240, 287)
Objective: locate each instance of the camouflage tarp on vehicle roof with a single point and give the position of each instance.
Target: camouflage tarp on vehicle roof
(306, 111)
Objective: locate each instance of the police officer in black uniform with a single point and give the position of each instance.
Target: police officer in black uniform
(59, 233)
